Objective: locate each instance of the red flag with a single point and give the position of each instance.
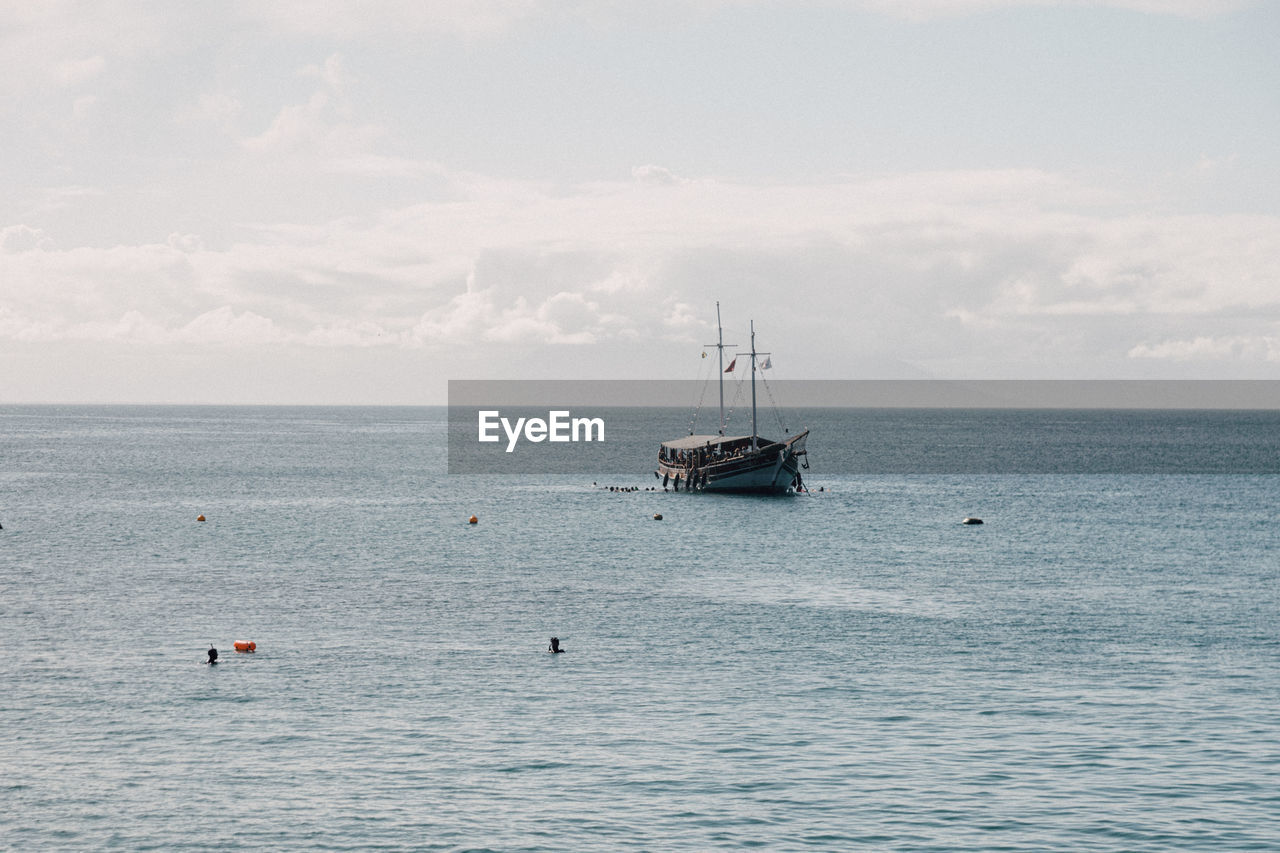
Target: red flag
(729, 369)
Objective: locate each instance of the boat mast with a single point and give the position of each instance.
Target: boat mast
(720, 346)
(754, 434)
(754, 444)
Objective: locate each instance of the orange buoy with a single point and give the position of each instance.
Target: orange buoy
(245, 646)
(473, 520)
(199, 518)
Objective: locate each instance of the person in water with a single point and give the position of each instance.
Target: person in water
(555, 646)
(213, 655)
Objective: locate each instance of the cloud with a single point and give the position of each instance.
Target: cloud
(1007, 270)
(655, 176)
(320, 134)
(49, 46)
(563, 318)
(480, 19)
(224, 326)
(1168, 265)
(218, 109)
(72, 72)
(296, 126)
(185, 243)
(45, 47)
(51, 199)
(23, 238)
(462, 18)
(930, 9)
(1237, 347)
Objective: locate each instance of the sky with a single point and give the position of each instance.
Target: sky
(286, 202)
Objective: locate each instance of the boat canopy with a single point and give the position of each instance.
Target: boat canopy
(694, 442)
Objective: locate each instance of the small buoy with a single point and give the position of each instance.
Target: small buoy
(246, 646)
(971, 520)
(199, 518)
(473, 520)
(657, 516)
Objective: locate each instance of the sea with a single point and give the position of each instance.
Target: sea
(1094, 668)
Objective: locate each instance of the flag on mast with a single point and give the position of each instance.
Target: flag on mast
(768, 363)
(729, 369)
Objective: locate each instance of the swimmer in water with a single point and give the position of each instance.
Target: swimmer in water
(213, 656)
(555, 646)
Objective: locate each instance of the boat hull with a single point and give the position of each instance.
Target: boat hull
(771, 470)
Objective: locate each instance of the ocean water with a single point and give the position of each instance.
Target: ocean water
(1095, 668)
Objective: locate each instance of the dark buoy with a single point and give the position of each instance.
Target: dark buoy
(555, 646)
(971, 520)
(213, 655)
(473, 520)
(657, 516)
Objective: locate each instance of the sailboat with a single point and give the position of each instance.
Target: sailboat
(740, 463)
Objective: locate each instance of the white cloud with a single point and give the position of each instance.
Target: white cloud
(1208, 348)
(333, 74)
(321, 135)
(225, 327)
(296, 126)
(73, 72)
(185, 243)
(351, 333)
(67, 45)
(220, 176)
(464, 18)
(22, 238)
(476, 19)
(218, 109)
(51, 199)
(655, 176)
(939, 268)
(565, 318)
(928, 9)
